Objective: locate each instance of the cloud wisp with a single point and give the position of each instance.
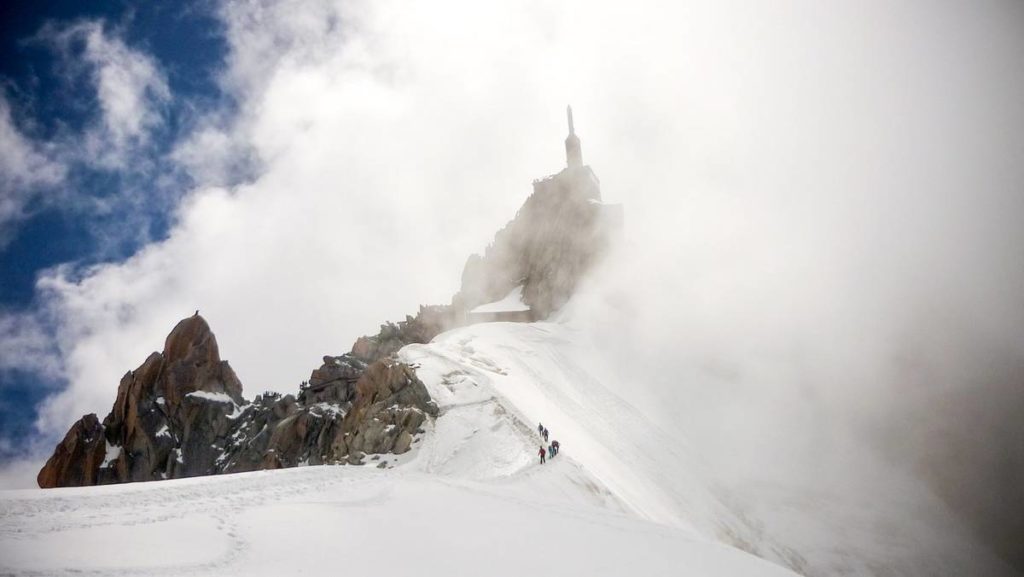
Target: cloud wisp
(130, 87)
(127, 91)
(27, 170)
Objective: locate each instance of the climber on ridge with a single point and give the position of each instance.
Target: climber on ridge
(541, 453)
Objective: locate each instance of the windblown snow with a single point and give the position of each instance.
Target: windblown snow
(512, 302)
(623, 497)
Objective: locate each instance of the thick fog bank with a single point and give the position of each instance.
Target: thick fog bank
(788, 369)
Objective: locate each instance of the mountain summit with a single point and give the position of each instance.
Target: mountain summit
(181, 413)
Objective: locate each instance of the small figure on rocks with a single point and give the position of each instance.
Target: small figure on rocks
(541, 453)
(540, 428)
(545, 433)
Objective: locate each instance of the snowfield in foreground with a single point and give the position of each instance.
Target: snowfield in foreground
(623, 497)
(329, 520)
(470, 499)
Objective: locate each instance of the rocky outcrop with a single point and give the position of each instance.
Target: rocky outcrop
(559, 234)
(171, 418)
(429, 322)
(173, 415)
(77, 459)
(391, 404)
(182, 414)
(347, 411)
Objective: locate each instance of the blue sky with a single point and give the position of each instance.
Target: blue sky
(92, 214)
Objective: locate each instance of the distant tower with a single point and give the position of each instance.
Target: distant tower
(573, 152)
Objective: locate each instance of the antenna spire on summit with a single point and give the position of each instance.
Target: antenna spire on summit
(573, 152)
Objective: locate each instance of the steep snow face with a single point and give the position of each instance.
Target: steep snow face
(551, 373)
(523, 369)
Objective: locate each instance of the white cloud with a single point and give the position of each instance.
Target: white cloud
(211, 154)
(26, 346)
(131, 91)
(26, 169)
(19, 474)
(129, 85)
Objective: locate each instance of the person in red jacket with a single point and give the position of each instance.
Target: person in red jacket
(542, 453)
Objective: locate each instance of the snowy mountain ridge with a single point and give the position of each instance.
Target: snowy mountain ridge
(622, 497)
(469, 498)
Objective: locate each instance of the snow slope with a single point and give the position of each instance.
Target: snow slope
(470, 499)
(328, 520)
(816, 525)
(623, 497)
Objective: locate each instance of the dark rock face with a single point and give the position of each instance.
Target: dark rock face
(278, 432)
(171, 417)
(76, 460)
(347, 411)
(182, 414)
(391, 404)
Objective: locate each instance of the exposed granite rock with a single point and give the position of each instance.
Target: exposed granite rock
(77, 459)
(338, 420)
(429, 322)
(173, 414)
(391, 404)
(171, 417)
(182, 414)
